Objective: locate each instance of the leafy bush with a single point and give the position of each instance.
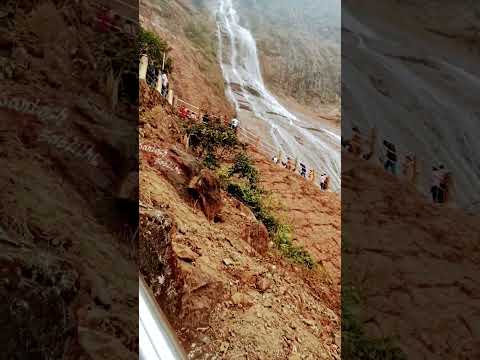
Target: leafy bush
(210, 138)
(283, 240)
(149, 43)
(252, 197)
(210, 161)
(244, 168)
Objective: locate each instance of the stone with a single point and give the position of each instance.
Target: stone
(309, 322)
(228, 262)
(241, 299)
(224, 347)
(263, 284)
(184, 253)
(205, 188)
(338, 340)
(256, 235)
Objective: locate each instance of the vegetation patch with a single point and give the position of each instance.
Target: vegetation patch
(214, 141)
(243, 167)
(211, 141)
(154, 47)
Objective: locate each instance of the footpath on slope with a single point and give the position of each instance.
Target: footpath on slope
(227, 291)
(421, 290)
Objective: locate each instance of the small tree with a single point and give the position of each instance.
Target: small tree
(149, 43)
(244, 168)
(209, 138)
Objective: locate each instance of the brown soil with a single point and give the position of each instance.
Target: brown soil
(415, 264)
(69, 284)
(197, 77)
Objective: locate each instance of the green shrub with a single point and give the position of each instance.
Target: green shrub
(149, 43)
(244, 168)
(210, 137)
(252, 197)
(283, 240)
(210, 161)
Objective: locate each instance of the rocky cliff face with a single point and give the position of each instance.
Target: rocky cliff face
(299, 45)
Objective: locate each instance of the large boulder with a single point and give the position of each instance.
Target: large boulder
(187, 175)
(206, 190)
(157, 261)
(256, 235)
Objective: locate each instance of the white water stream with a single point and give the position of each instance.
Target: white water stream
(431, 109)
(259, 111)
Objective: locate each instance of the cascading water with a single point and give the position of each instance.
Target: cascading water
(431, 111)
(259, 111)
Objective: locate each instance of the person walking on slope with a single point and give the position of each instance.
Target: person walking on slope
(234, 124)
(164, 85)
(435, 188)
(390, 163)
(151, 75)
(408, 168)
(323, 181)
(206, 118)
(356, 142)
(288, 164)
(303, 170)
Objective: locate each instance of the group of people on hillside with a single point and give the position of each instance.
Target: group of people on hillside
(153, 77)
(186, 113)
(207, 118)
(440, 181)
(324, 180)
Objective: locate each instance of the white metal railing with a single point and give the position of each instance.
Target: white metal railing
(157, 339)
(266, 148)
(416, 177)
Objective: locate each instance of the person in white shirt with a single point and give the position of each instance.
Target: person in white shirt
(234, 123)
(323, 181)
(164, 84)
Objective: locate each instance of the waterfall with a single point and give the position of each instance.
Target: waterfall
(260, 111)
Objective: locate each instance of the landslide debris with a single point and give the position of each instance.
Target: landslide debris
(227, 289)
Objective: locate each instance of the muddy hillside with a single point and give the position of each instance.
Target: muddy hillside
(242, 255)
(189, 28)
(68, 283)
(418, 291)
